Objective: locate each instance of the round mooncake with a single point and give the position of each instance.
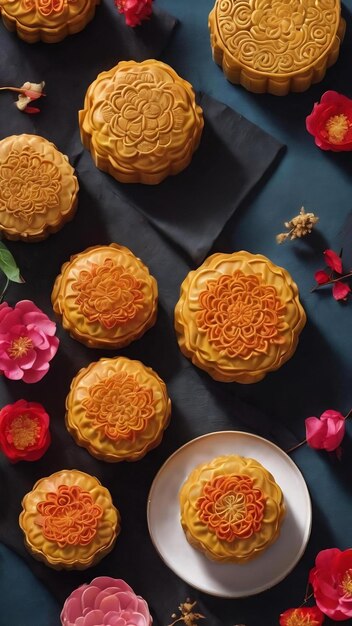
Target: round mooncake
(231, 509)
(105, 297)
(276, 46)
(238, 317)
(69, 520)
(140, 122)
(46, 20)
(38, 188)
(118, 409)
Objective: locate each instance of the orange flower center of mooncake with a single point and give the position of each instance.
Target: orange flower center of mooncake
(119, 406)
(231, 507)
(240, 314)
(69, 516)
(108, 294)
(23, 431)
(29, 184)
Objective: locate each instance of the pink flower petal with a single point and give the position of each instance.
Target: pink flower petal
(340, 290)
(333, 260)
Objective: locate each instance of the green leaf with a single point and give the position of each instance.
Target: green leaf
(8, 265)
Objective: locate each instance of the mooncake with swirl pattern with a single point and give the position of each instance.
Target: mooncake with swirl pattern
(38, 188)
(69, 520)
(105, 297)
(276, 46)
(140, 122)
(231, 509)
(239, 317)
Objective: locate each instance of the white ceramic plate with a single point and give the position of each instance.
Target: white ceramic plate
(226, 579)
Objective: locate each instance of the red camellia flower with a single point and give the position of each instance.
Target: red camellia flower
(331, 579)
(327, 432)
(135, 11)
(304, 616)
(333, 260)
(331, 122)
(24, 431)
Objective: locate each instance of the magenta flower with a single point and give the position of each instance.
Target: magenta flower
(327, 432)
(105, 601)
(27, 341)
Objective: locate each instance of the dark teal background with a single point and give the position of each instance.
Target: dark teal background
(317, 377)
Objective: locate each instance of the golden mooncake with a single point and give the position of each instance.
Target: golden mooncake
(140, 122)
(117, 409)
(46, 20)
(276, 46)
(105, 297)
(69, 520)
(38, 188)
(238, 317)
(231, 509)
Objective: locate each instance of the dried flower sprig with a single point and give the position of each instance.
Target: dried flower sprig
(334, 276)
(188, 616)
(299, 226)
(26, 94)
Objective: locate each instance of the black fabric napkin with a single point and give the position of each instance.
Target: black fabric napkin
(193, 207)
(199, 404)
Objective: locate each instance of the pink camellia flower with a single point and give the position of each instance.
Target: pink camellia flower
(331, 579)
(27, 341)
(331, 122)
(105, 601)
(135, 11)
(326, 432)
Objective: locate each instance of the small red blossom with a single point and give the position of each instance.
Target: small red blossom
(303, 616)
(331, 122)
(331, 579)
(333, 260)
(24, 431)
(135, 11)
(326, 432)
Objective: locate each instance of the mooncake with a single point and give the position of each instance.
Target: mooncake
(238, 317)
(276, 46)
(46, 20)
(69, 520)
(140, 122)
(231, 509)
(117, 409)
(38, 188)
(105, 297)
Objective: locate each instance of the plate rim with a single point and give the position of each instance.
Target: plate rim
(305, 538)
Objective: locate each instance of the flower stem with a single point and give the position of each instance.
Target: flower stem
(301, 443)
(17, 89)
(331, 281)
(4, 289)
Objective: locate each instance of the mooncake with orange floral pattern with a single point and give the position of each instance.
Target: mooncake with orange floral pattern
(140, 122)
(231, 508)
(38, 188)
(117, 409)
(46, 20)
(276, 46)
(105, 297)
(69, 520)
(239, 317)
